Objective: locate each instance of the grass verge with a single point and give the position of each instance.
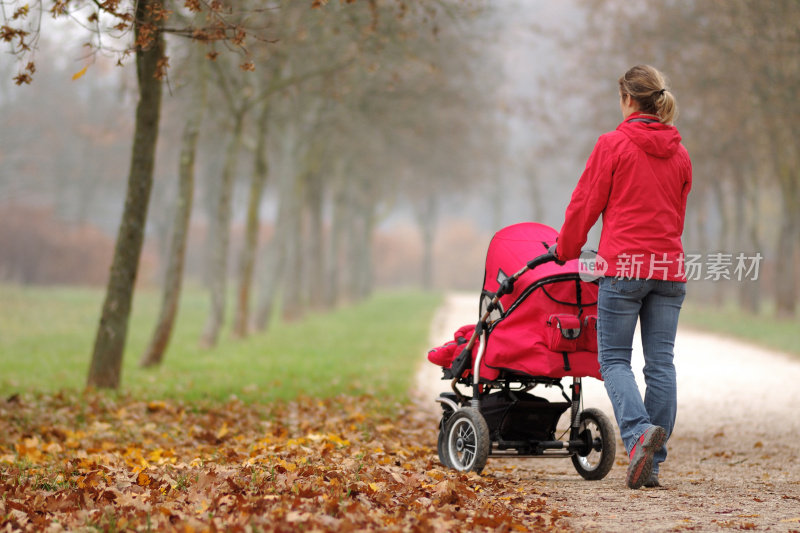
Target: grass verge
(46, 337)
(764, 330)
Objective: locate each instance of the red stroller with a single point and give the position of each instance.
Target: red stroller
(537, 325)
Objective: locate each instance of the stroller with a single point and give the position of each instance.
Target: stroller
(537, 325)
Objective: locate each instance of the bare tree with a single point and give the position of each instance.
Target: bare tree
(238, 99)
(106, 367)
(247, 256)
(173, 278)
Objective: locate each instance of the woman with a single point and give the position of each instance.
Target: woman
(638, 177)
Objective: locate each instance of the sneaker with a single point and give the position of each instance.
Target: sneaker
(641, 466)
(653, 481)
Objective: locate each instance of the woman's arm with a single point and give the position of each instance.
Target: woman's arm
(589, 199)
(687, 186)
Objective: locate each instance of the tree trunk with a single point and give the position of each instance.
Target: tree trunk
(534, 188)
(173, 277)
(358, 284)
(219, 241)
(352, 253)
(723, 238)
(703, 205)
(426, 218)
(274, 268)
(785, 276)
(367, 278)
(750, 243)
(106, 366)
(273, 277)
(336, 241)
(293, 302)
(315, 272)
(498, 201)
(247, 258)
(359, 227)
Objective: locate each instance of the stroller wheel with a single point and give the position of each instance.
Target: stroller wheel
(466, 441)
(448, 408)
(441, 448)
(597, 458)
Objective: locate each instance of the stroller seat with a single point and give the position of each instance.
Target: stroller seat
(546, 326)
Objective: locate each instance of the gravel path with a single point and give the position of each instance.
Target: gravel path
(734, 458)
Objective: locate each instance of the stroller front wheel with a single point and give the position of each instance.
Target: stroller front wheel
(596, 460)
(466, 441)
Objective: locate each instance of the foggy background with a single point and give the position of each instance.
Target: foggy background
(479, 117)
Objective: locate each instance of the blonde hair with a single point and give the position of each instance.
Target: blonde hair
(648, 87)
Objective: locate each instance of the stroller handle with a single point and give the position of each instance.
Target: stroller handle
(542, 259)
(507, 286)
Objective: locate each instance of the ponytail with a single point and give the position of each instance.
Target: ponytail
(648, 87)
(666, 107)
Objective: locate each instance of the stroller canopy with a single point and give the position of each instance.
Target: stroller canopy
(512, 247)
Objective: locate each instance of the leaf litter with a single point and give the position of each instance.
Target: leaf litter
(71, 461)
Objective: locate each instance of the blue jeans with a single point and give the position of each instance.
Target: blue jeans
(657, 303)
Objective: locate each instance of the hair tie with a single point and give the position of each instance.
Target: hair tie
(661, 92)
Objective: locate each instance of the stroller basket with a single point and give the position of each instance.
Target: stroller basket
(521, 417)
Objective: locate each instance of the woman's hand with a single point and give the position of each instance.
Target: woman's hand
(554, 250)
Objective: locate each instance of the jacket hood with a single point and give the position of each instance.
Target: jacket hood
(656, 139)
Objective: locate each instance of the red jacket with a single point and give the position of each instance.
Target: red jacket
(638, 177)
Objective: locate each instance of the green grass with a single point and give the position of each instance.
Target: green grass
(46, 338)
(764, 330)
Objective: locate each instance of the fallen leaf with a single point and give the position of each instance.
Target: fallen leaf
(80, 73)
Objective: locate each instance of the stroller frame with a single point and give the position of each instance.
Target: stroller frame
(470, 431)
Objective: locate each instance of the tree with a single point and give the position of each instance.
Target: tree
(247, 256)
(373, 61)
(238, 104)
(240, 101)
(335, 153)
(147, 20)
(106, 366)
(173, 278)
